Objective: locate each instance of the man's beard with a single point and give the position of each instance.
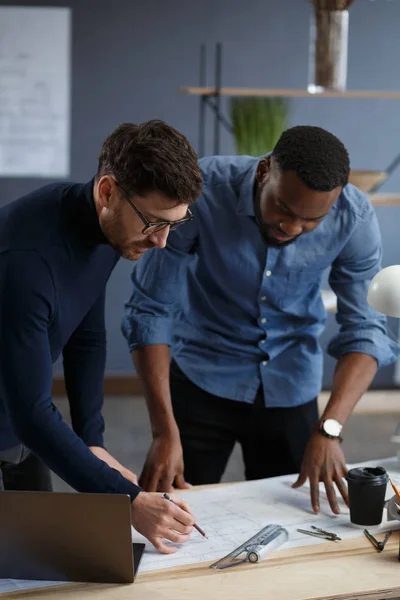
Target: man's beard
(129, 252)
(265, 228)
(270, 240)
(121, 244)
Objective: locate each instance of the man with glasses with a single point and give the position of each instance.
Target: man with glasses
(236, 297)
(59, 246)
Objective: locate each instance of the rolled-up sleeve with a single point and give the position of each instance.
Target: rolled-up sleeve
(157, 280)
(362, 329)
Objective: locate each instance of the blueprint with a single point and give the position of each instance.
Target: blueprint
(231, 514)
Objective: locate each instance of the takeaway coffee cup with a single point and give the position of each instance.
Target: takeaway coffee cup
(367, 489)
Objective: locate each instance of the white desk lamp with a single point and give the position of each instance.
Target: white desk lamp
(384, 291)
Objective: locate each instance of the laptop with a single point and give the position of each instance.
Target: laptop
(67, 537)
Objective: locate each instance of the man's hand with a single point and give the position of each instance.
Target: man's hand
(164, 465)
(158, 519)
(113, 463)
(324, 461)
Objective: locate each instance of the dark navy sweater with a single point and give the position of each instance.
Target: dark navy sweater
(54, 266)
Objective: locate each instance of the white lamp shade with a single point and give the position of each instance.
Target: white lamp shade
(384, 291)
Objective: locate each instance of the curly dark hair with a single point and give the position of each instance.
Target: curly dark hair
(152, 156)
(318, 158)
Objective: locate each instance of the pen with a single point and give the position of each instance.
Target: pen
(199, 529)
(396, 491)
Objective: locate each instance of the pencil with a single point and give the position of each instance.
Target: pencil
(199, 529)
(396, 491)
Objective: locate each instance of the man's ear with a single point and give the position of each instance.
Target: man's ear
(104, 190)
(263, 170)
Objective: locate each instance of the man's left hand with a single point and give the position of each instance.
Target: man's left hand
(324, 461)
(103, 455)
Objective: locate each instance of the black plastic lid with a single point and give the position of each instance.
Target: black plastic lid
(368, 476)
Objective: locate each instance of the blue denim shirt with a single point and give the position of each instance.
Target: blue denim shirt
(237, 313)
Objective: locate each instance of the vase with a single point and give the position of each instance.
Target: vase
(329, 32)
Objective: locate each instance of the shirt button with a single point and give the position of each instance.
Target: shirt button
(262, 342)
(268, 273)
(264, 363)
(263, 320)
(263, 298)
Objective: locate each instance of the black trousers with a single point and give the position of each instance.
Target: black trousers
(272, 439)
(22, 470)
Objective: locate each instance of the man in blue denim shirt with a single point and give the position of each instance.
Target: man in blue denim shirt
(236, 296)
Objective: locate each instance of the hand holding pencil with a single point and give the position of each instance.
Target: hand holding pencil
(162, 522)
(168, 497)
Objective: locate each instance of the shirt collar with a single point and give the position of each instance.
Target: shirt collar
(245, 205)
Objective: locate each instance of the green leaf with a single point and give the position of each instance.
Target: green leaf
(257, 123)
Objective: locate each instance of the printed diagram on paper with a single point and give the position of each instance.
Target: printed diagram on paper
(231, 514)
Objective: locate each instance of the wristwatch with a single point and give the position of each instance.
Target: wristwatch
(331, 429)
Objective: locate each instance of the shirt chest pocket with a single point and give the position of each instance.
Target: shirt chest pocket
(297, 287)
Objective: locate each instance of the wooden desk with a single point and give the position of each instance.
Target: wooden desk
(349, 570)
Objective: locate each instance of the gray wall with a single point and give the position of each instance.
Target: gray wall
(129, 59)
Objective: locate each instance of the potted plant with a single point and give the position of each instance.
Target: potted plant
(257, 123)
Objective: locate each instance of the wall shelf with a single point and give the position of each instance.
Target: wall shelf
(211, 97)
(385, 199)
(226, 91)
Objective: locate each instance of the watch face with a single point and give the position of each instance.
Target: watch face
(332, 427)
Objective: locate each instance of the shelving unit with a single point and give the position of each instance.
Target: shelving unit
(211, 97)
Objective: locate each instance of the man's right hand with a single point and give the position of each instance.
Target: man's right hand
(164, 464)
(159, 519)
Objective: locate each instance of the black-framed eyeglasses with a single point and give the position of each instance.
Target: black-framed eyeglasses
(159, 225)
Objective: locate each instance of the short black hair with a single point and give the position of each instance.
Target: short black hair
(318, 157)
(152, 157)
